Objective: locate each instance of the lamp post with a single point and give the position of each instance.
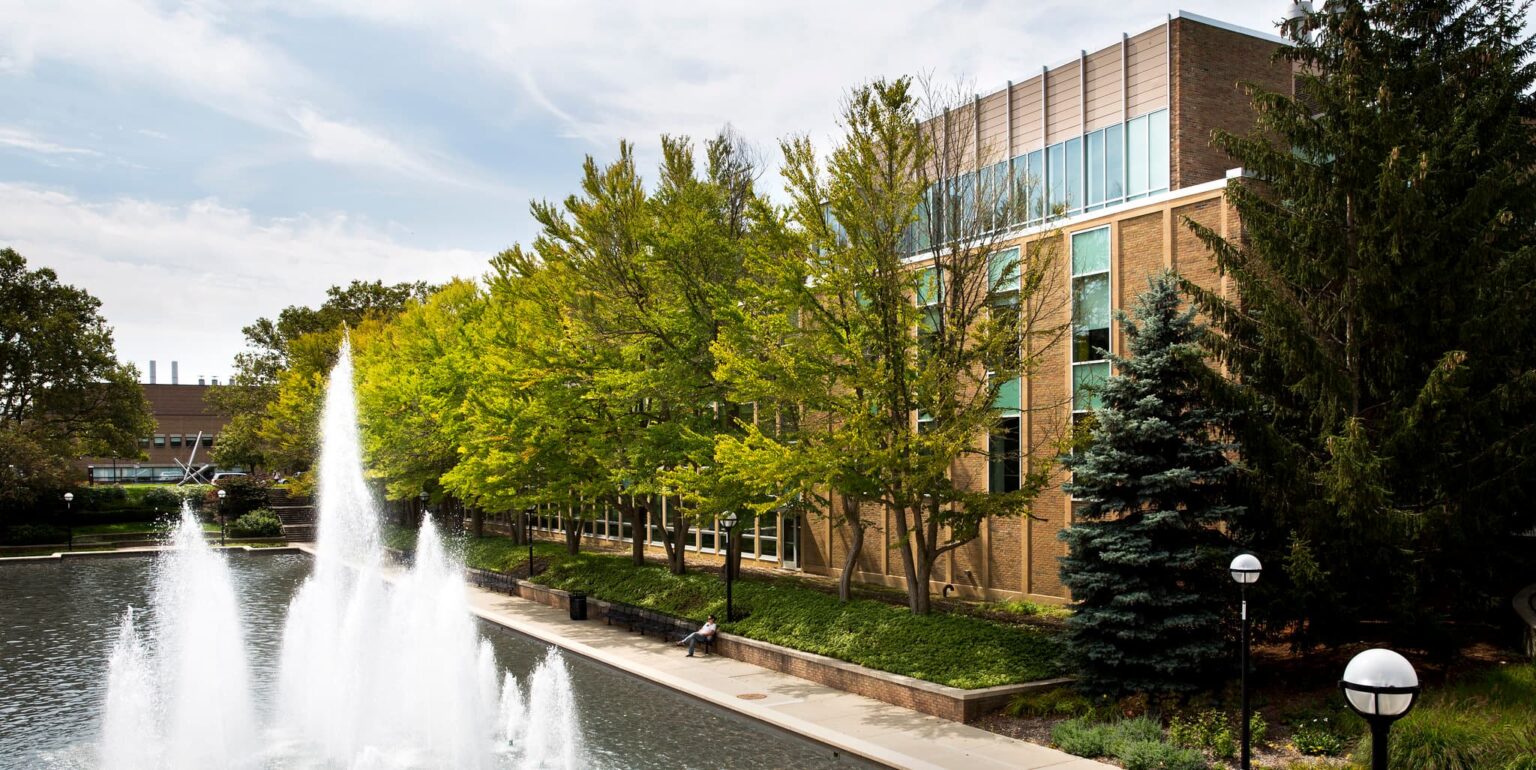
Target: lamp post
(729, 522)
(528, 524)
(90, 475)
(223, 520)
(1245, 570)
(1381, 686)
(69, 517)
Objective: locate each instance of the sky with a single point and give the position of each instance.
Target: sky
(199, 165)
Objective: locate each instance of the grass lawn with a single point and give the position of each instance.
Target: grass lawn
(1482, 719)
(949, 649)
(133, 527)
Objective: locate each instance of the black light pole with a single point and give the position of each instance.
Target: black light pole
(1381, 686)
(1245, 570)
(528, 525)
(69, 517)
(223, 520)
(729, 522)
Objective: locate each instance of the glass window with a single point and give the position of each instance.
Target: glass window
(1093, 186)
(176, 439)
(930, 290)
(1008, 397)
(768, 535)
(159, 442)
(995, 196)
(144, 442)
(1090, 317)
(1114, 163)
(1003, 271)
(1086, 381)
(1074, 162)
(1036, 175)
(707, 538)
(748, 537)
(1056, 176)
(1158, 150)
(1090, 251)
(1137, 166)
(1003, 456)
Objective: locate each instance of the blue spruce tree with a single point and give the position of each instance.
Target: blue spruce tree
(1146, 559)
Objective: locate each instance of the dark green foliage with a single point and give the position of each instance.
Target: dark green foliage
(162, 499)
(63, 393)
(870, 633)
(1214, 731)
(1486, 720)
(1083, 737)
(1157, 755)
(34, 534)
(242, 494)
(261, 522)
(1060, 702)
(1146, 562)
(1385, 346)
(1321, 736)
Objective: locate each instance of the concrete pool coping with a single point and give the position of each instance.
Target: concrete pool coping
(853, 724)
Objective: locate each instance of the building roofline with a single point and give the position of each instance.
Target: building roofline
(1182, 14)
(1230, 27)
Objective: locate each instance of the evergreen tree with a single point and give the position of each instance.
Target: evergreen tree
(1146, 557)
(1385, 342)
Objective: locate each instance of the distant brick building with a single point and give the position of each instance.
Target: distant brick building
(184, 421)
(1120, 138)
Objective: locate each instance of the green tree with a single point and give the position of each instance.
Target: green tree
(412, 381)
(1384, 347)
(887, 311)
(1145, 554)
(252, 391)
(63, 394)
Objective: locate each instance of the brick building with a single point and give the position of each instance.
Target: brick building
(184, 423)
(1119, 138)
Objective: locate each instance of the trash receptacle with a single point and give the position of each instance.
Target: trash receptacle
(578, 606)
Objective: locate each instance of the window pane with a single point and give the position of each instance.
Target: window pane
(1090, 251)
(1056, 175)
(1086, 381)
(1008, 397)
(707, 538)
(1037, 185)
(1003, 271)
(1003, 456)
(1074, 174)
(768, 534)
(1094, 184)
(1158, 150)
(929, 292)
(159, 442)
(176, 439)
(1114, 163)
(1137, 164)
(1090, 317)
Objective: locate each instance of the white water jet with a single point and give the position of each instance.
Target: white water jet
(184, 699)
(370, 675)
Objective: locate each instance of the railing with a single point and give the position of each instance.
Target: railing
(499, 582)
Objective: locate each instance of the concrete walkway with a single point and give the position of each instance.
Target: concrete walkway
(854, 724)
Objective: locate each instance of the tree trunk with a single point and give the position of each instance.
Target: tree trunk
(477, 521)
(677, 556)
(572, 535)
(637, 522)
(855, 524)
(917, 579)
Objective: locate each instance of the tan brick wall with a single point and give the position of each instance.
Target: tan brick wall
(1209, 65)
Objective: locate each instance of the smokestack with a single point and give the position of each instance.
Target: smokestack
(151, 371)
(200, 380)
(173, 374)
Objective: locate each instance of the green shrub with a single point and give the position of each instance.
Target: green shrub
(1319, 737)
(1215, 732)
(1157, 755)
(1083, 738)
(1060, 702)
(1136, 730)
(261, 522)
(243, 494)
(163, 499)
(35, 534)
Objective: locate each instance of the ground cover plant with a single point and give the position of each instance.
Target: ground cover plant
(870, 633)
(1484, 720)
(261, 522)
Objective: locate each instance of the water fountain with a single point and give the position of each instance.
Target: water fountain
(372, 675)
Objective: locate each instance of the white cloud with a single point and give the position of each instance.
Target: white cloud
(181, 280)
(197, 52)
(25, 140)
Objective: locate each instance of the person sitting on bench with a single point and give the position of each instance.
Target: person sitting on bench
(705, 634)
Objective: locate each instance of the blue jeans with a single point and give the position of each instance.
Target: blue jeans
(693, 639)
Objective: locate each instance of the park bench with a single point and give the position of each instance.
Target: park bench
(640, 619)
